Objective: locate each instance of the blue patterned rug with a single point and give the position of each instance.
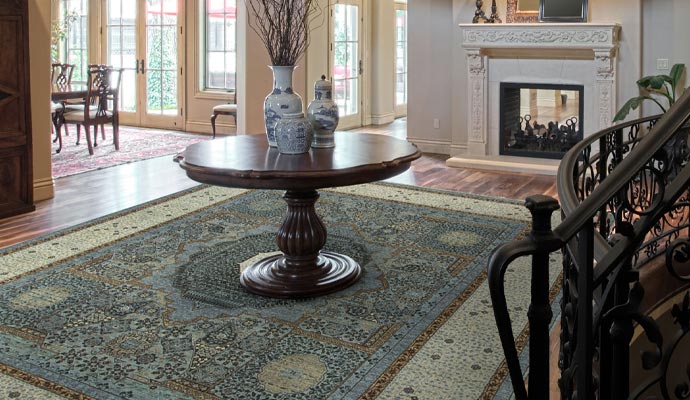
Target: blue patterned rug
(146, 303)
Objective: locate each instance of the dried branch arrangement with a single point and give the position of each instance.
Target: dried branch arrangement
(284, 26)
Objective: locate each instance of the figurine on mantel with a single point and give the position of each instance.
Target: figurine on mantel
(323, 114)
(480, 16)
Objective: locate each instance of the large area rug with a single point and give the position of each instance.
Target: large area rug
(111, 309)
(135, 144)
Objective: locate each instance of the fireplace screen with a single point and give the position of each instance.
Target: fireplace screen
(540, 120)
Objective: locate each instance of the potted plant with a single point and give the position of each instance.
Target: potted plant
(283, 26)
(655, 88)
(58, 33)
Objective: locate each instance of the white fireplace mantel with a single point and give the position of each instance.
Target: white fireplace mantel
(553, 44)
(593, 36)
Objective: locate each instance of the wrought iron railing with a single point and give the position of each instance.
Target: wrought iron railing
(625, 201)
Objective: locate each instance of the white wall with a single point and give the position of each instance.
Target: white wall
(665, 35)
(666, 30)
(430, 73)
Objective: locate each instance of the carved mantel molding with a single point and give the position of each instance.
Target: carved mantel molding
(541, 36)
(601, 39)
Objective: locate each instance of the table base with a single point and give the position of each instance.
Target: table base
(331, 273)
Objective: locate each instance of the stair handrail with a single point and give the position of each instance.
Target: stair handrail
(578, 223)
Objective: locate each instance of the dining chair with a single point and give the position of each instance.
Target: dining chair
(224, 109)
(61, 74)
(103, 86)
(56, 115)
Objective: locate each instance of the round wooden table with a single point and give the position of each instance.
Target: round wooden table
(246, 161)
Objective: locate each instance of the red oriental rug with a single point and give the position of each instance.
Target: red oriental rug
(135, 144)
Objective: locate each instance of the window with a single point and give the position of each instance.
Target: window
(220, 51)
(400, 54)
(74, 49)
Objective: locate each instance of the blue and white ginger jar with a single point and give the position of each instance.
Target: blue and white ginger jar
(294, 134)
(323, 114)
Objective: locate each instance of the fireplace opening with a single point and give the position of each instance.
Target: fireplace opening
(540, 120)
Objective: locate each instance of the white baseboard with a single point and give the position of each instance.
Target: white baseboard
(382, 119)
(205, 127)
(431, 146)
(458, 149)
(44, 189)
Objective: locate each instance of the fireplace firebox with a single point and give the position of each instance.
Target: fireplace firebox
(540, 120)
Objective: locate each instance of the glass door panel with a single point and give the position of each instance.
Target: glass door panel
(161, 57)
(142, 37)
(401, 60)
(346, 56)
(121, 33)
(75, 48)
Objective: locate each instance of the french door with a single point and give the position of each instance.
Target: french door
(144, 37)
(346, 60)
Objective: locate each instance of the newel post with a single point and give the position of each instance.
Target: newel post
(541, 207)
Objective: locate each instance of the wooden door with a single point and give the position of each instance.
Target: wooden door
(16, 175)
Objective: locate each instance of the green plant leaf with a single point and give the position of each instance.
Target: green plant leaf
(629, 105)
(653, 82)
(677, 73)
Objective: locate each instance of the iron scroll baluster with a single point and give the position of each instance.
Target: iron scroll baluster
(539, 244)
(625, 196)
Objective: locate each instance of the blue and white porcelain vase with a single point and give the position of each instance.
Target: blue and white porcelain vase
(323, 114)
(294, 134)
(282, 100)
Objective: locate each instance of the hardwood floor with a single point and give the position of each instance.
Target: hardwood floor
(83, 197)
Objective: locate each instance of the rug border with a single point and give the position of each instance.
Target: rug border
(42, 383)
(49, 236)
(447, 191)
(200, 186)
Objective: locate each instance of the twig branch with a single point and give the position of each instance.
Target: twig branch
(283, 26)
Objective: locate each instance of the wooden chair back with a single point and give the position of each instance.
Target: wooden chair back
(103, 91)
(61, 74)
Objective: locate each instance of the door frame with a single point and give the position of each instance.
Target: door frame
(141, 117)
(364, 54)
(401, 109)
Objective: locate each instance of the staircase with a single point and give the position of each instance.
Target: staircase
(624, 237)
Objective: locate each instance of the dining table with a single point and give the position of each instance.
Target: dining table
(68, 91)
(302, 268)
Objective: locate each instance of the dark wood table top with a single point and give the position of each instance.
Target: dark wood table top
(246, 161)
(69, 91)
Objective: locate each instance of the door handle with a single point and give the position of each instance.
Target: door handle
(136, 66)
(143, 71)
(361, 67)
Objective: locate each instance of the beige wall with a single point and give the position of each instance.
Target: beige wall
(254, 79)
(383, 62)
(39, 57)
(317, 53)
